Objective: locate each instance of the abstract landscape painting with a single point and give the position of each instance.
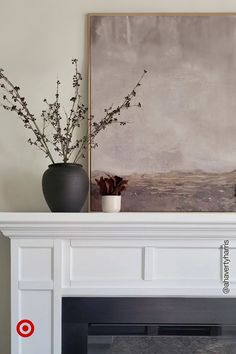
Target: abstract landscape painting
(178, 150)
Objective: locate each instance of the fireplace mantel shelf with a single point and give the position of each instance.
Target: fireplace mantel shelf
(118, 226)
(56, 255)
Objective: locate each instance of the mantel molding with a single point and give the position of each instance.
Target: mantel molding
(118, 226)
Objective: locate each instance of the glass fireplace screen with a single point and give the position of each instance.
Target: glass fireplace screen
(148, 325)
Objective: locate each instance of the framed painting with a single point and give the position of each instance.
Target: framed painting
(177, 146)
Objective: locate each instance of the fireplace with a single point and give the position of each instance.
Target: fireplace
(148, 325)
(137, 283)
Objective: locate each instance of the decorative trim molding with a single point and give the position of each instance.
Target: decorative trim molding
(119, 226)
(35, 285)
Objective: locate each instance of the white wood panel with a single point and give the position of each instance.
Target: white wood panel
(35, 263)
(37, 307)
(99, 263)
(15, 295)
(149, 261)
(187, 263)
(148, 291)
(232, 256)
(66, 264)
(58, 265)
(35, 285)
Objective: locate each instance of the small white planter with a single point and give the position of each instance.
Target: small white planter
(111, 203)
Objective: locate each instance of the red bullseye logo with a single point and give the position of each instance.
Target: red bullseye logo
(25, 328)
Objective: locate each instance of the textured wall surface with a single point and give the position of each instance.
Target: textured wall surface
(37, 41)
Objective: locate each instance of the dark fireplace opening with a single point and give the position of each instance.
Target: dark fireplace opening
(148, 325)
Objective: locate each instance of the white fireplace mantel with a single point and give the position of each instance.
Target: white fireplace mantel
(120, 225)
(96, 254)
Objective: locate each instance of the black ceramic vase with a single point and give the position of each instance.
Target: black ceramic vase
(65, 187)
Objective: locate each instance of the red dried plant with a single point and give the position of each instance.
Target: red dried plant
(111, 185)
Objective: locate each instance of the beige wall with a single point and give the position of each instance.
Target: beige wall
(37, 41)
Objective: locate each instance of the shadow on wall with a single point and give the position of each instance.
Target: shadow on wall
(5, 295)
(22, 191)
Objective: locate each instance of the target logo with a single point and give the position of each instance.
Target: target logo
(25, 328)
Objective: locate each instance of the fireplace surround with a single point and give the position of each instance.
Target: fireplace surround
(57, 259)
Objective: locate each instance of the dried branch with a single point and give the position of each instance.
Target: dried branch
(50, 132)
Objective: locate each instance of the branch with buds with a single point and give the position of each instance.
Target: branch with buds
(56, 132)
